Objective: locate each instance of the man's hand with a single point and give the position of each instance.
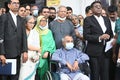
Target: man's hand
(69, 66)
(3, 59)
(104, 37)
(75, 66)
(24, 57)
(113, 42)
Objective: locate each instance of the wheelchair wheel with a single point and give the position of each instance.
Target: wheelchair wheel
(47, 76)
(51, 76)
(55, 76)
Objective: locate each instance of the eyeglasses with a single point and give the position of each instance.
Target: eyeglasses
(15, 3)
(31, 22)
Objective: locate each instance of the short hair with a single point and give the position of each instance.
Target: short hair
(87, 9)
(27, 18)
(27, 5)
(69, 8)
(95, 3)
(44, 7)
(52, 8)
(22, 6)
(74, 15)
(58, 9)
(112, 8)
(32, 5)
(63, 39)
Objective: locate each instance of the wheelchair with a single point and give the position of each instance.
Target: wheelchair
(54, 70)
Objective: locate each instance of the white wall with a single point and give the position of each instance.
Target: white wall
(77, 5)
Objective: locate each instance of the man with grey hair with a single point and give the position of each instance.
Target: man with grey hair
(69, 59)
(61, 26)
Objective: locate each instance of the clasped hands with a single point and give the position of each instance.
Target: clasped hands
(73, 67)
(104, 37)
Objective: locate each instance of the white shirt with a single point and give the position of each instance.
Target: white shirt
(14, 16)
(113, 26)
(101, 22)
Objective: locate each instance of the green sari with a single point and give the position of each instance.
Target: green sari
(47, 45)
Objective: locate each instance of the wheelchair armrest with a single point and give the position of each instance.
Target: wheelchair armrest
(54, 65)
(85, 68)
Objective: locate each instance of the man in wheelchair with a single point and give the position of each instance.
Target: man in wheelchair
(70, 58)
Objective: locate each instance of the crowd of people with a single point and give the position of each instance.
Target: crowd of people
(31, 34)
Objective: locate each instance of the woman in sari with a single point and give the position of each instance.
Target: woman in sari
(47, 44)
(28, 69)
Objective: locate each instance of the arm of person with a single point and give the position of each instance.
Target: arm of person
(34, 48)
(24, 57)
(57, 56)
(69, 66)
(91, 33)
(78, 34)
(75, 65)
(2, 26)
(24, 43)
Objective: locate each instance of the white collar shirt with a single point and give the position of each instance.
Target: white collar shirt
(14, 16)
(101, 22)
(113, 26)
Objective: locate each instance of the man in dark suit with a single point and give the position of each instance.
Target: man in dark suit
(97, 31)
(13, 40)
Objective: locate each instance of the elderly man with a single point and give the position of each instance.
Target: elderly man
(61, 26)
(69, 59)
